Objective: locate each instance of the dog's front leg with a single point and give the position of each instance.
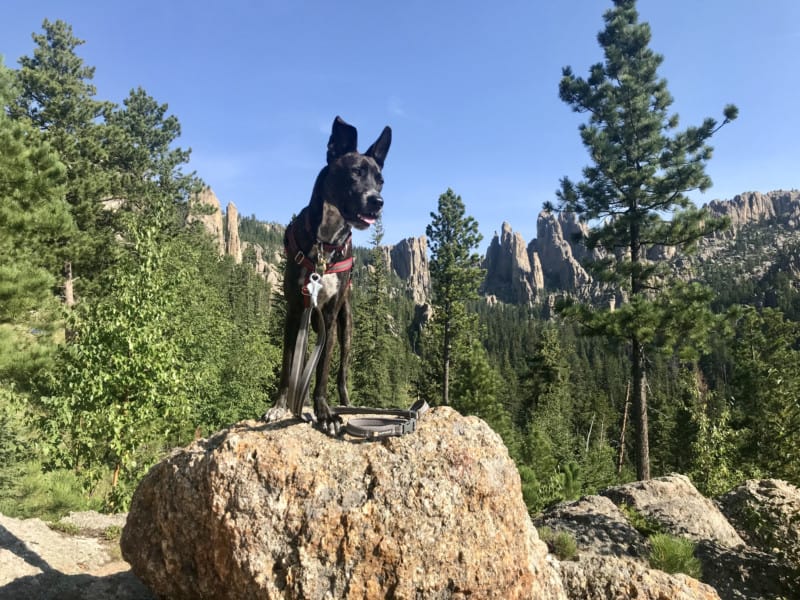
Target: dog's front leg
(291, 329)
(327, 420)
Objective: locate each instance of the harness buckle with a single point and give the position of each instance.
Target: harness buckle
(299, 257)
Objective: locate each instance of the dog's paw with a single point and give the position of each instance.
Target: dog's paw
(276, 413)
(332, 425)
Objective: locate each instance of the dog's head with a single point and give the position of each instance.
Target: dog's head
(354, 182)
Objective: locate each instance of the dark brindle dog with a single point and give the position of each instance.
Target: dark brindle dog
(347, 194)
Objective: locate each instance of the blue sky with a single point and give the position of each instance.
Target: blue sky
(469, 88)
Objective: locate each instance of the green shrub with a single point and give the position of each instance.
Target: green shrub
(673, 554)
(640, 522)
(112, 533)
(48, 495)
(560, 543)
(63, 527)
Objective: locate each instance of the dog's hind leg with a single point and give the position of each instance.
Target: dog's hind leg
(345, 323)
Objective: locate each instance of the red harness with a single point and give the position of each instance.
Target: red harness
(322, 266)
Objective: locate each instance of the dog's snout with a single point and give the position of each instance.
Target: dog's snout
(374, 202)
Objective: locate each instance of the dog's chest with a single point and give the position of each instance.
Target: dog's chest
(331, 286)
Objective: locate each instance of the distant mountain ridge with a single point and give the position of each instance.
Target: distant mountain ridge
(530, 273)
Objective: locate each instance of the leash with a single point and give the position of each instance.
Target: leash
(372, 428)
(302, 370)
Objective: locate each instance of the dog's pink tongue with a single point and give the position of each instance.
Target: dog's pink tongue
(367, 220)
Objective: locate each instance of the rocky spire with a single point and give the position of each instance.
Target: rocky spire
(511, 275)
(560, 256)
(409, 260)
(205, 208)
(234, 247)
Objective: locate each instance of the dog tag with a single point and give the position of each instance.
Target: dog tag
(313, 286)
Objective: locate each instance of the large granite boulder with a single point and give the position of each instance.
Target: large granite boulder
(767, 514)
(603, 577)
(284, 511)
(613, 556)
(678, 507)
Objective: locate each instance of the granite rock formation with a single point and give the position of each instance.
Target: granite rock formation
(205, 208)
(560, 255)
(781, 206)
(512, 276)
(282, 510)
(739, 562)
(408, 259)
(233, 246)
(767, 513)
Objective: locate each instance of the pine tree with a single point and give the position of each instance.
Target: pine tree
(634, 196)
(57, 98)
(143, 161)
(765, 391)
(371, 340)
(455, 276)
(34, 222)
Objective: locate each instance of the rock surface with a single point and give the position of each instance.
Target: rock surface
(38, 563)
(511, 275)
(408, 259)
(767, 513)
(600, 577)
(598, 526)
(559, 254)
(608, 544)
(282, 510)
(210, 215)
(754, 207)
(233, 246)
(695, 516)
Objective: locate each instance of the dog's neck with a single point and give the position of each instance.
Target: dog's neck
(332, 229)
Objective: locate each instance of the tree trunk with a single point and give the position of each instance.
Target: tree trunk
(639, 380)
(622, 432)
(446, 364)
(69, 292)
(69, 296)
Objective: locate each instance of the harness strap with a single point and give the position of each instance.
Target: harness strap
(295, 253)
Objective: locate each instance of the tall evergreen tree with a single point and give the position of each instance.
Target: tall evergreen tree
(371, 342)
(143, 160)
(634, 196)
(455, 274)
(34, 222)
(57, 97)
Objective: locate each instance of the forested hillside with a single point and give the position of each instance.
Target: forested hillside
(126, 329)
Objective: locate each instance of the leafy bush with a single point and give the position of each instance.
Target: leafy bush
(673, 554)
(560, 543)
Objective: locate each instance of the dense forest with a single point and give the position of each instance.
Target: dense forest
(124, 333)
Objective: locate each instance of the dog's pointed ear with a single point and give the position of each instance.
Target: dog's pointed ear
(344, 139)
(380, 148)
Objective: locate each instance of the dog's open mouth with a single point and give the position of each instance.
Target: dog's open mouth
(364, 220)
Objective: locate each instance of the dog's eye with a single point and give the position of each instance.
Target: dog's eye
(360, 171)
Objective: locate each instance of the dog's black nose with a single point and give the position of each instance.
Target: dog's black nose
(374, 202)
